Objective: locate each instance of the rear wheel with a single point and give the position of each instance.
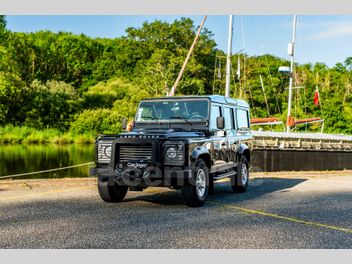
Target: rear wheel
(195, 192)
(111, 193)
(239, 182)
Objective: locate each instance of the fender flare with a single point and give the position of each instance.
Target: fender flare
(200, 152)
(243, 150)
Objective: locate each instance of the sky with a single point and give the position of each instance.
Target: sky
(325, 39)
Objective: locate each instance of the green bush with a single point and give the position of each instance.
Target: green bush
(13, 95)
(97, 121)
(52, 105)
(104, 94)
(127, 106)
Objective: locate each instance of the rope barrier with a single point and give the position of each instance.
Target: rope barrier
(43, 171)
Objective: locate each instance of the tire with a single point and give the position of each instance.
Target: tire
(111, 193)
(239, 182)
(195, 193)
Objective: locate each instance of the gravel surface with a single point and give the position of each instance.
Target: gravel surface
(279, 210)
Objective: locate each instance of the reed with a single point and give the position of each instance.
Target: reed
(27, 135)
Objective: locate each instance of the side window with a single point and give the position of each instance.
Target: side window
(214, 113)
(234, 118)
(242, 118)
(228, 115)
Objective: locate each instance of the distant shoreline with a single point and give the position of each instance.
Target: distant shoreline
(12, 135)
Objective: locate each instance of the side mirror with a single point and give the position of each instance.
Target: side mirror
(124, 123)
(220, 122)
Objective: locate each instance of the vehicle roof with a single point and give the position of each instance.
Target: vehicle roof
(213, 98)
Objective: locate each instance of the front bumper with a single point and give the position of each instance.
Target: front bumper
(149, 176)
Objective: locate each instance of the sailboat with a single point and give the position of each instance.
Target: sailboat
(291, 122)
(292, 145)
(256, 121)
(268, 140)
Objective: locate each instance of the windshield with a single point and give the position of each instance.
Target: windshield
(167, 110)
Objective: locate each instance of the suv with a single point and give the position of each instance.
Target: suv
(183, 142)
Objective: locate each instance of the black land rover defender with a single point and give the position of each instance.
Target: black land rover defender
(183, 142)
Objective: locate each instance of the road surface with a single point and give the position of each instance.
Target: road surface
(279, 210)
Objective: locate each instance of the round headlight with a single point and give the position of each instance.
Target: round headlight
(171, 153)
(107, 151)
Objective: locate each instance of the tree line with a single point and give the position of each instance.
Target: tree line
(86, 85)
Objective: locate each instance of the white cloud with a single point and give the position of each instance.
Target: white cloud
(333, 30)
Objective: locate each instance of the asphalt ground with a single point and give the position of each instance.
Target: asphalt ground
(279, 210)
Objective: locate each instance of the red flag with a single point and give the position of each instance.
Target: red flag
(316, 97)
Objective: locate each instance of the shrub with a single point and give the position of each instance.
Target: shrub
(13, 94)
(103, 94)
(97, 121)
(52, 105)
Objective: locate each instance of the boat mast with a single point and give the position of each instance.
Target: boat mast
(228, 60)
(174, 87)
(291, 48)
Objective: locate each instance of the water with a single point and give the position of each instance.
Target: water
(16, 159)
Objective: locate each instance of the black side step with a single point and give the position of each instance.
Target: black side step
(224, 175)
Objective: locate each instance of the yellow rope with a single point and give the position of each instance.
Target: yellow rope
(43, 171)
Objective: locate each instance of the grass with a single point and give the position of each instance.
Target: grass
(27, 135)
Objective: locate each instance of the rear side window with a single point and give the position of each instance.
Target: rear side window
(215, 112)
(242, 118)
(228, 115)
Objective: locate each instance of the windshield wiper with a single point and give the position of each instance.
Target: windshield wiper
(181, 117)
(150, 118)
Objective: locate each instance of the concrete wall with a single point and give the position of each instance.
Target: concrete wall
(289, 160)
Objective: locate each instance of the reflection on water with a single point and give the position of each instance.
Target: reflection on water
(16, 159)
(28, 158)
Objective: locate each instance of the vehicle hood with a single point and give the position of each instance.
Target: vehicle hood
(160, 133)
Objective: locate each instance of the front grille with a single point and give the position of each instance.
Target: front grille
(135, 153)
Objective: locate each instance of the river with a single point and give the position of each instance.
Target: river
(15, 159)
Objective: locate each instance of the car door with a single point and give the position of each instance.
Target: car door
(219, 139)
(232, 140)
(242, 126)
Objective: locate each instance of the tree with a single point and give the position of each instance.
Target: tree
(2, 23)
(52, 79)
(104, 94)
(348, 63)
(13, 98)
(52, 104)
(167, 45)
(97, 121)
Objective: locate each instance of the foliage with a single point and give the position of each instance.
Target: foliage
(13, 93)
(104, 94)
(51, 105)
(2, 23)
(77, 85)
(15, 135)
(97, 121)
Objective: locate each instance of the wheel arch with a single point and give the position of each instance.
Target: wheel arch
(243, 151)
(201, 153)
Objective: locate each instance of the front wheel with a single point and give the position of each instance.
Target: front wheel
(111, 193)
(195, 192)
(239, 182)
